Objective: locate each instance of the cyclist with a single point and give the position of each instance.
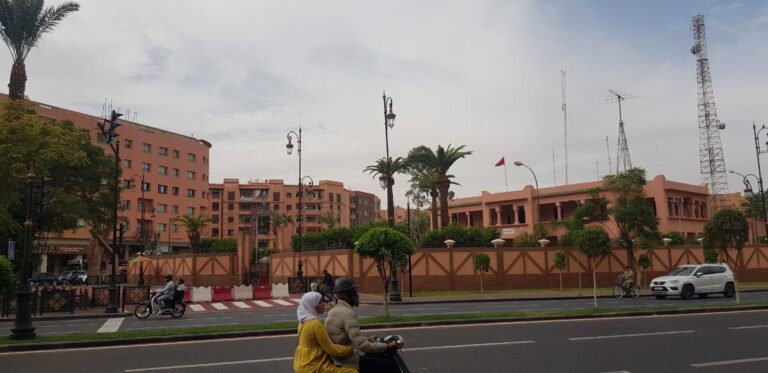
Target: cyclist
(628, 278)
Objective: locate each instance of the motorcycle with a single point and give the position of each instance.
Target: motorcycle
(174, 306)
(393, 354)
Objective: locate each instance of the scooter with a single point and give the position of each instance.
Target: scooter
(175, 306)
(393, 354)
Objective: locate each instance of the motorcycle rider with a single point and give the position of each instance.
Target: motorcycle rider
(167, 292)
(628, 278)
(344, 329)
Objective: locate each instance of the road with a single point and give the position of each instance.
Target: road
(724, 342)
(288, 313)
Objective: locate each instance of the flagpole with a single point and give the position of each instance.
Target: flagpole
(505, 175)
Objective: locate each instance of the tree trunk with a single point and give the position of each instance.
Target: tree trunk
(18, 81)
(631, 261)
(435, 224)
(481, 282)
(443, 187)
(561, 280)
(594, 283)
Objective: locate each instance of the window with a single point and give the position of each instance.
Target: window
(191, 157)
(127, 184)
(127, 204)
(215, 219)
(191, 175)
(276, 196)
(330, 197)
(147, 148)
(174, 228)
(276, 207)
(175, 191)
(176, 154)
(163, 151)
(215, 232)
(230, 232)
(162, 207)
(216, 193)
(160, 227)
(190, 211)
(174, 209)
(215, 206)
(230, 206)
(230, 219)
(162, 189)
(338, 198)
(127, 163)
(146, 167)
(288, 195)
(146, 187)
(162, 170)
(205, 160)
(175, 172)
(190, 192)
(288, 207)
(230, 196)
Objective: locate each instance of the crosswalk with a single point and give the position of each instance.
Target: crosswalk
(242, 305)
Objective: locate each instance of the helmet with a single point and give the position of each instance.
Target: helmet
(169, 276)
(344, 284)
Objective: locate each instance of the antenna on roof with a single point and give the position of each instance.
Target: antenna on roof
(134, 116)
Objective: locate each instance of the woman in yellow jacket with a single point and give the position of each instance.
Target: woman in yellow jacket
(315, 346)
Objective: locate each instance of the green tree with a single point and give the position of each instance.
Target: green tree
(277, 220)
(8, 278)
(593, 243)
(643, 262)
(632, 212)
(328, 219)
(753, 206)
(482, 264)
(194, 226)
(727, 229)
(24, 22)
(438, 163)
(561, 263)
(386, 168)
(389, 249)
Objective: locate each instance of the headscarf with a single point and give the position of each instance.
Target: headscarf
(306, 310)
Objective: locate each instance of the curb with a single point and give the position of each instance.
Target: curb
(521, 299)
(262, 333)
(71, 317)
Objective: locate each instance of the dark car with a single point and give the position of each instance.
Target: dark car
(44, 278)
(73, 277)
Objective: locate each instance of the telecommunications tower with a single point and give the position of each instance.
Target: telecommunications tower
(622, 154)
(711, 162)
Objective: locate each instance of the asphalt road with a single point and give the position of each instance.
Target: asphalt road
(233, 317)
(724, 342)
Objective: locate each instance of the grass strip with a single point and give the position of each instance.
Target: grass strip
(289, 327)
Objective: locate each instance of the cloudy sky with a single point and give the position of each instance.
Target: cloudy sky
(485, 74)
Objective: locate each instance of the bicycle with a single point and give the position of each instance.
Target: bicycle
(620, 291)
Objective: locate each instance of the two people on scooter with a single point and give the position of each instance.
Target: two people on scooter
(171, 293)
(344, 329)
(315, 346)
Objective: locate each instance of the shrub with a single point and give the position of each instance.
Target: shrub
(464, 237)
(676, 237)
(525, 240)
(215, 245)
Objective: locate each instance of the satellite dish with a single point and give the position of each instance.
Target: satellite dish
(721, 125)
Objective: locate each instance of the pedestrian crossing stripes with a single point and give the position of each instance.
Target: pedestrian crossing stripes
(282, 302)
(262, 303)
(242, 305)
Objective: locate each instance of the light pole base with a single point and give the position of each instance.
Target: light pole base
(23, 327)
(394, 296)
(112, 305)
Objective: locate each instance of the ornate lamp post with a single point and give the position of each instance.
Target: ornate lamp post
(536, 181)
(386, 182)
(22, 326)
(759, 171)
(749, 193)
(300, 194)
(109, 135)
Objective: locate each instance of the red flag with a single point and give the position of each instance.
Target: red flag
(500, 162)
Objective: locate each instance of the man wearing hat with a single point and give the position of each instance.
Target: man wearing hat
(167, 292)
(344, 329)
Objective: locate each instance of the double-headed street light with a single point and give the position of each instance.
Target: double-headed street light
(386, 182)
(300, 194)
(536, 181)
(108, 128)
(749, 193)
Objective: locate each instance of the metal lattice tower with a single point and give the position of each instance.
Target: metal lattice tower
(623, 160)
(711, 162)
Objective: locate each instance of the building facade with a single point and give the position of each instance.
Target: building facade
(679, 207)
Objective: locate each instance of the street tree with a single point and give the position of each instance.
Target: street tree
(482, 264)
(560, 263)
(194, 226)
(23, 24)
(277, 220)
(632, 212)
(389, 249)
(328, 219)
(727, 229)
(8, 278)
(594, 243)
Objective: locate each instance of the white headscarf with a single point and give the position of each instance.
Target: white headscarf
(306, 310)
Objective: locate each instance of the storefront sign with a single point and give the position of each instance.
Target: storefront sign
(507, 231)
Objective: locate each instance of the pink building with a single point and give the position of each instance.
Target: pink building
(680, 207)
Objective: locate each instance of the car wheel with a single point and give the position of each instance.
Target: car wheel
(660, 296)
(704, 295)
(687, 292)
(730, 290)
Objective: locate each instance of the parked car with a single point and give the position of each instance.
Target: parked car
(73, 277)
(44, 278)
(700, 279)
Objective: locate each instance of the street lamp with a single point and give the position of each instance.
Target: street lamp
(22, 326)
(536, 181)
(300, 194)
(109, 135)
(759, 170)
(386, 182)
(748, 193)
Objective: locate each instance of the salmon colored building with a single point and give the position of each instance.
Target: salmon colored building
(164, 176)
(679, 207)
(236, 207)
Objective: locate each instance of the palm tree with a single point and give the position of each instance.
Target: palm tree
(194, 226)
(386, 168)
(329, 219)
(439, 162)
(277, 220)
(22, 25)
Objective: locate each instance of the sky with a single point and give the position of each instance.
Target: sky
(484, 74)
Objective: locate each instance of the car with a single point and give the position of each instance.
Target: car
(695, 279)
(73, 277)
(44, 278)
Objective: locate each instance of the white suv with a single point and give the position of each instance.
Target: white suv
(695, 279)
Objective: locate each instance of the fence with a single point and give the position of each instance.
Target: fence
(69, 298)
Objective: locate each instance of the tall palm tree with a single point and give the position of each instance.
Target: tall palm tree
(277, 220)
(23, 24)
(386, 168)
(439, 162)
(194, 226)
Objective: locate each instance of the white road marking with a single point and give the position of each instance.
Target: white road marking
(279, 315)
(219, 306)
(748, 327)
(619, 371)
(420, 309)
(297, 301)
(241, 305)
(282, 302)
(631, 335)
(469, 345)
(111, 325)
(174, 367)
(730, 362)
(510, 306)
(186, 326)
(262, 303)
(431, 313)
(196, 307)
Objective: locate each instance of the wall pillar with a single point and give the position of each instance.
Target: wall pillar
(469, 218)
(559, 211)
(498, 216)
(43, 263)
